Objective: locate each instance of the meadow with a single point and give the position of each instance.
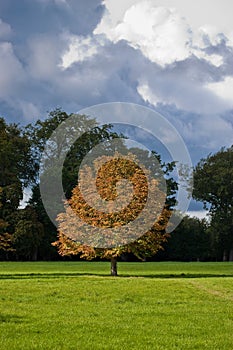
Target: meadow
(77, 305)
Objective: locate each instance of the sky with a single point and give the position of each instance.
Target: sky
(174, 56)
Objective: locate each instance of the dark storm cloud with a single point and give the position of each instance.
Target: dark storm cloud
(35, 35)
(31, 46)
(48, 16)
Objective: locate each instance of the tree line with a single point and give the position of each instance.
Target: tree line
(28, 234)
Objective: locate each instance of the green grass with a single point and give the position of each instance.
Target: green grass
(76, 305)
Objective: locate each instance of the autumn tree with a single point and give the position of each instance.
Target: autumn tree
(213, 183)
(107, 213)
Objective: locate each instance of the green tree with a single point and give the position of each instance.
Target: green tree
(28, 234)
(213, 183)
(6, 240)
(16, 173)
(190, 241)
(220, 236)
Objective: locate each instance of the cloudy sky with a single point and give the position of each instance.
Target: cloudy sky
(174, 56)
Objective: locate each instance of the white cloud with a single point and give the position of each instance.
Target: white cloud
(80, 48)
(188, 58)
(217, 13)
(223, 89)
(147, 95)
(160, 33)
(200, 214)
(215, 60)
(210, 35)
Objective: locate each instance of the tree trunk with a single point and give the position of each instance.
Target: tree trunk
(225, 255)
(113, 266)
(231, 255)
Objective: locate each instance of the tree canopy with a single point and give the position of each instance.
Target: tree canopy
(73, 238)
(16, 172)
(213, 184)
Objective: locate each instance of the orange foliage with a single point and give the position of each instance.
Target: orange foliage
(121, 187)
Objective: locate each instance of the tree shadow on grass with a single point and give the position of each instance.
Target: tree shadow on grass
(121, 275)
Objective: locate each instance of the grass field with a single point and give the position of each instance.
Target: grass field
(76, 305)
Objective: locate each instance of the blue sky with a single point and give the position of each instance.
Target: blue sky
(173, 56)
